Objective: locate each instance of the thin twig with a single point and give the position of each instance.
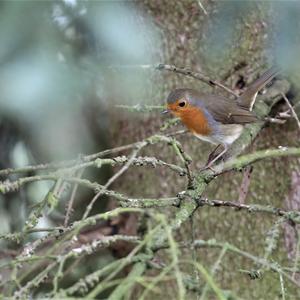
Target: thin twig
(140, 107)
(120, 160)
(291, 109)
(282, 286)
(111, 180)
(214, 270)
(174, 252)
(93, 293)
(196, 75)
(270, 265)
(193, 250)
(72, 198)
(84, 158)
(186, 160)
(202, 7)
(250, 207)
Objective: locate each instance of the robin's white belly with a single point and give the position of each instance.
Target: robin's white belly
(226, 134)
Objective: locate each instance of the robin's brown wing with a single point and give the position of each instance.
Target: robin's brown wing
(222, 109)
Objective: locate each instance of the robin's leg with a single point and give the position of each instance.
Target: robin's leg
(212, 154)
(208, 166)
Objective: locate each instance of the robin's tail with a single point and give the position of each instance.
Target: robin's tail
(247, 99)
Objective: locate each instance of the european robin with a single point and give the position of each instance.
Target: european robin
(217, 119)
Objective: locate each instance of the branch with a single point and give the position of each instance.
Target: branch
(291, 109)
(88, 158)
(175, 201)
(292, 215)
(141, 107)
(198, 76)
(110, 181)
(245, 160)
(69, 207)
(261, 261)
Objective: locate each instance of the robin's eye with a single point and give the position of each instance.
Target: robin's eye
(182, 103)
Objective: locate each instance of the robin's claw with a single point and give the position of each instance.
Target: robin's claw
(208, 167)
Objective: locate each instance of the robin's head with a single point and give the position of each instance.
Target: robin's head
(179, 102)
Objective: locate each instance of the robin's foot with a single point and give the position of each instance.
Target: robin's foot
(213, 155)
(208, 166)
(215, 159)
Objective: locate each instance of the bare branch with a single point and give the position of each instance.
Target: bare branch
(111, 180)
(88, 158)
(196, 75)
(72, 198)
(291, 109)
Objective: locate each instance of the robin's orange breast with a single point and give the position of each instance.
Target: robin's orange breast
(194, 119)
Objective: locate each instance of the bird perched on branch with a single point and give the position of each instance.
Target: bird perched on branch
(217, 119)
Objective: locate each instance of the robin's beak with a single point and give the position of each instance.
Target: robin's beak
(166, 111)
